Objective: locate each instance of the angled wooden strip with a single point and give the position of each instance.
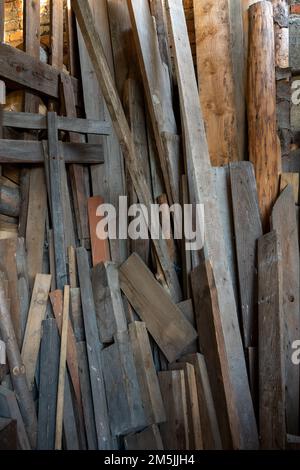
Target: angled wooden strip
(284, 221)
(9, 409)
(271, 343)
(147, 377)
(194, 425)
(203, 191)
(72, 359)
(208, 417)
(36, 315)
(125, 406)
(110, 312)
(62, 370)
(248, 229)
(100, 246)
(174, 431)
(148, 439)
(104, 440)
(163, 319)
(49, 358)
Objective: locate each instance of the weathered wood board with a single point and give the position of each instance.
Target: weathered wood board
(9, 409)
(148, 439)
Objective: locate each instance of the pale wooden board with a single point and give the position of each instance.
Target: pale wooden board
(36, 314)
(271, 338)
(202, 190)
(168, 326)
(284, 221)
(148, 439)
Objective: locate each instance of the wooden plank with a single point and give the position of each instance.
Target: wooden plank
(62, 369)
(156, 81)
(174, 431)
(72, 267)
(271, 338)
(148, 439)
(284, 221)
(194, 426)
(100, 246)
(8, 434)
(263, 145)
(146, 373)
(104, 440)
(202, 191)
(28, 72)
(125, 406)
(72, 359)
(110, 313)
(216, 80)
(9, 409)
(291, 179)
(187, 309)
(165, 322)
(248, 229)
(49, 360)
(2, 96)
(208, 417)
(290, 163)
(76, 314)
(36, 315)
(2, 20)
(57, 33)
(106, 83)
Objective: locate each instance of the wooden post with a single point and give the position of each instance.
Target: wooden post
(263, 144)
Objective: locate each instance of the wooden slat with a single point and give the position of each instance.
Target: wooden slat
(284, 221)
(76, 313)
(36, 315)
(216, 80)
(271, 338)
(203, 191)
(248, 229)
(49, 359)
(57, 33)
(148, 439)
(110, 313)
(9, 409)
(168, 326)
(147, 377)
(100, 246)
(104, 440)
(106, 83)
(62, 369)
(2, 20)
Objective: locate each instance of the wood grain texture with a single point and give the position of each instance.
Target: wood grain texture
(99, 240)
(271, 338)
(148, 439)
(216, 79)
(163, 319)
(263, 145)
(9, 409)
(284, 221)
(57, 33)
(248, 229)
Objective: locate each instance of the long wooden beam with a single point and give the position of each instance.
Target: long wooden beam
(25, 71)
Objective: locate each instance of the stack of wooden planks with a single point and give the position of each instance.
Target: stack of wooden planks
(110, 342)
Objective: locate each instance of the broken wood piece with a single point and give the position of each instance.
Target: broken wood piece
(99, 240)
(271, 338)
(110, 313)
(164, 320)
(9, 409)
(62, 369)
(148, 439)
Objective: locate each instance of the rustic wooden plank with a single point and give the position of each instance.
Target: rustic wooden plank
(49, 360)
(9, 409)
(263, 144)
(187, 309)
(100, 246)
(36, 315)
(105, 80)
(156, 81)
(62, 369)
(28, 72)
(290, 163)
(163, 319)
(271, 338)
(284, 221)
(148, 439)
(194, 425)
(57, 34)
(291, 179)
(174, 431)
(104, 440)
(109, 307)
(248, 229)
(76, 314)
(2, 20)
(125, 406)
(208, 417)
(202, 190)
(146, 373)
(216, 80)
(2, 97)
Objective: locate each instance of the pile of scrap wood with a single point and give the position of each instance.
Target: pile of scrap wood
(142, 343)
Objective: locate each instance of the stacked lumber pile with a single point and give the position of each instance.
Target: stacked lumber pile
(143, 344)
